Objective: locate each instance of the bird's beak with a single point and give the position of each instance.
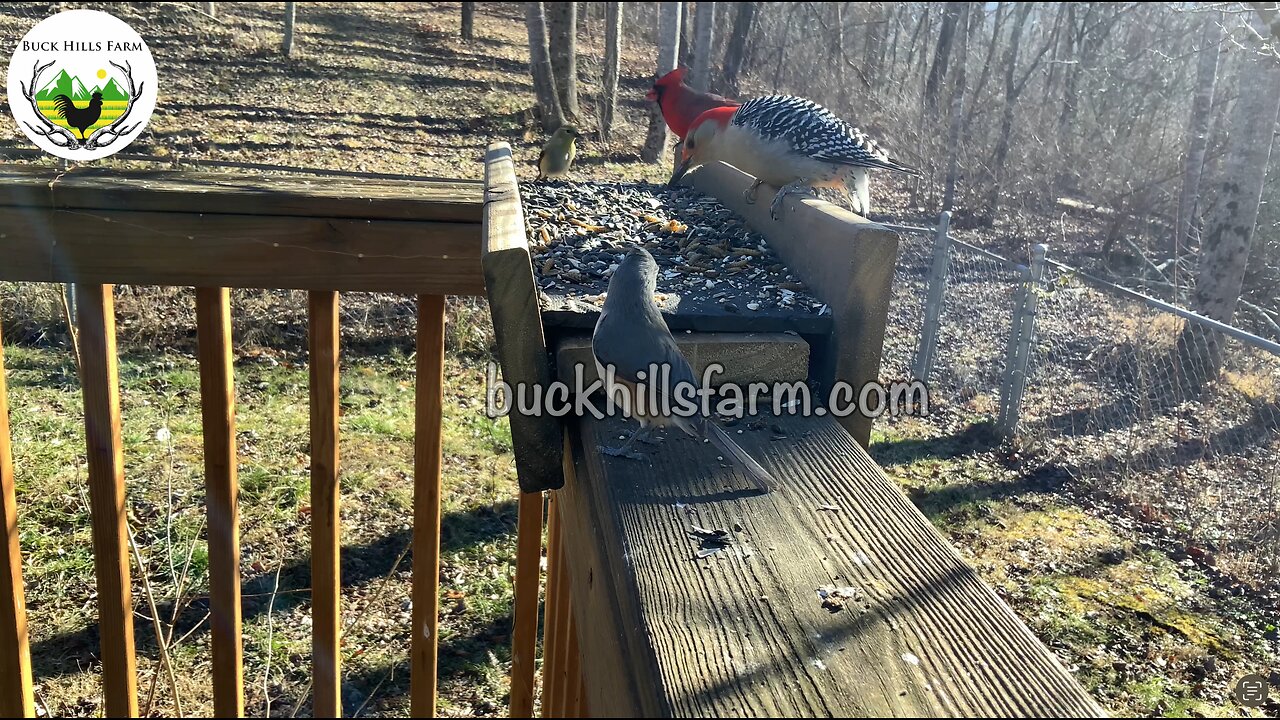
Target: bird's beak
(680, 171)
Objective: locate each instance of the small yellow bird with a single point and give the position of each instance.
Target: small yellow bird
(557, 155)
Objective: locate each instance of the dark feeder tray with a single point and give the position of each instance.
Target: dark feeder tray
(715, 273)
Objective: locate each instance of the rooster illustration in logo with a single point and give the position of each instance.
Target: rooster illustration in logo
(79, 118)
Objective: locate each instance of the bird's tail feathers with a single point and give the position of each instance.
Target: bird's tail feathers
(862, 186)
(759, 476)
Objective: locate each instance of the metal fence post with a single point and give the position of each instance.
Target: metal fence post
(923, 365)
(1018, 357)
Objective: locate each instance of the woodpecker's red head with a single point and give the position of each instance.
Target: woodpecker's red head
(699, 144)
(667, 82)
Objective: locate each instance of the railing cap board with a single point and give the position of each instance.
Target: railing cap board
(665, 634)
(845, 260)
(251, 251)
(163, 227)
(517, 324)
(238, 193)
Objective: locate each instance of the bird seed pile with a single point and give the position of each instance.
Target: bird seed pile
(707, 256)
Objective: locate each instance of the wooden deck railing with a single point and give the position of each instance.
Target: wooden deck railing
(216, 232)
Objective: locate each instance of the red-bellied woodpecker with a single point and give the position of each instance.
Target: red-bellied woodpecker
(789, 142)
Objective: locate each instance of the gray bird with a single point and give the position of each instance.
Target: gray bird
(632, 336)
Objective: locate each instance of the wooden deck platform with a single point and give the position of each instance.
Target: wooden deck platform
(910, 630)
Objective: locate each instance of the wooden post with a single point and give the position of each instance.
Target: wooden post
(218, 409)
(426, 506)
(99, 379)
(517, 321)
(524, 636)
(326, 581)
(15, 654)
(551, 630)
(937, 290)
(1018, 358)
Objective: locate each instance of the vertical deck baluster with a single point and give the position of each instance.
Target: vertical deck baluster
(99, 378)
(218, 410)
(524, 638)
(15, 654)
(426, 505)
(326, 587)
(552, 625)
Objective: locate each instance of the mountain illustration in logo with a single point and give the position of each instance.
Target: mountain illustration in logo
(77, 111)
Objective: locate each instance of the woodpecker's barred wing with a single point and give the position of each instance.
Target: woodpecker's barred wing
(814, 131)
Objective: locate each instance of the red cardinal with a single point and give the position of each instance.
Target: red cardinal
(681, 104)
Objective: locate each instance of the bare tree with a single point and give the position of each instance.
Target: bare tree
(668, 54)
(1230, 227)
(290, 11)
(1198, 129)
(736, 49)
(468, 21)
(1013, 87)
(873, 47)
(612, 64)
(986, 64)
(941, 54)
(562, 23)
(957, 111)
(544, 81)
(704, 35)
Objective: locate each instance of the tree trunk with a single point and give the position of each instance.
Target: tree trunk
(1229, 230)
(468, 21)
(290, 10)
(874, 45)
(562, 22)
(941, 54)
(986, 66)
(544, 82)
(685, 58)
(1198, 131)
(704, 43)
(957, 112)
(668, 55)
(1011, 92)
(210, 9)
(612, 64)
(736, 50)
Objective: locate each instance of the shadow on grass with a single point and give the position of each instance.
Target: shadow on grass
(70, 652)
(974, 439)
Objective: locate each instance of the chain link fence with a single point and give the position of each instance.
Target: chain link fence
(1170, 415)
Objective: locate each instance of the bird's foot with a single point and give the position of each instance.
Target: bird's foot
(649, 440)
(799, 187)
(749, 195)
(621, 452)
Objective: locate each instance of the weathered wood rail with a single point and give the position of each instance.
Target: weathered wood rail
(636, 625)
(214, 232)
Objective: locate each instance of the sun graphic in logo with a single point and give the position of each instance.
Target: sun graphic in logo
(102, 74)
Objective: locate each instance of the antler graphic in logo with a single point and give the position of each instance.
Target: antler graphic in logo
(103, 136)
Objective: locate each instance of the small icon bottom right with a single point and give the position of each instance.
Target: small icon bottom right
(1251, 690)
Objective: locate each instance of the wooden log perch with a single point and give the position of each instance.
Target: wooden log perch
(845, 260)
(835, 596)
